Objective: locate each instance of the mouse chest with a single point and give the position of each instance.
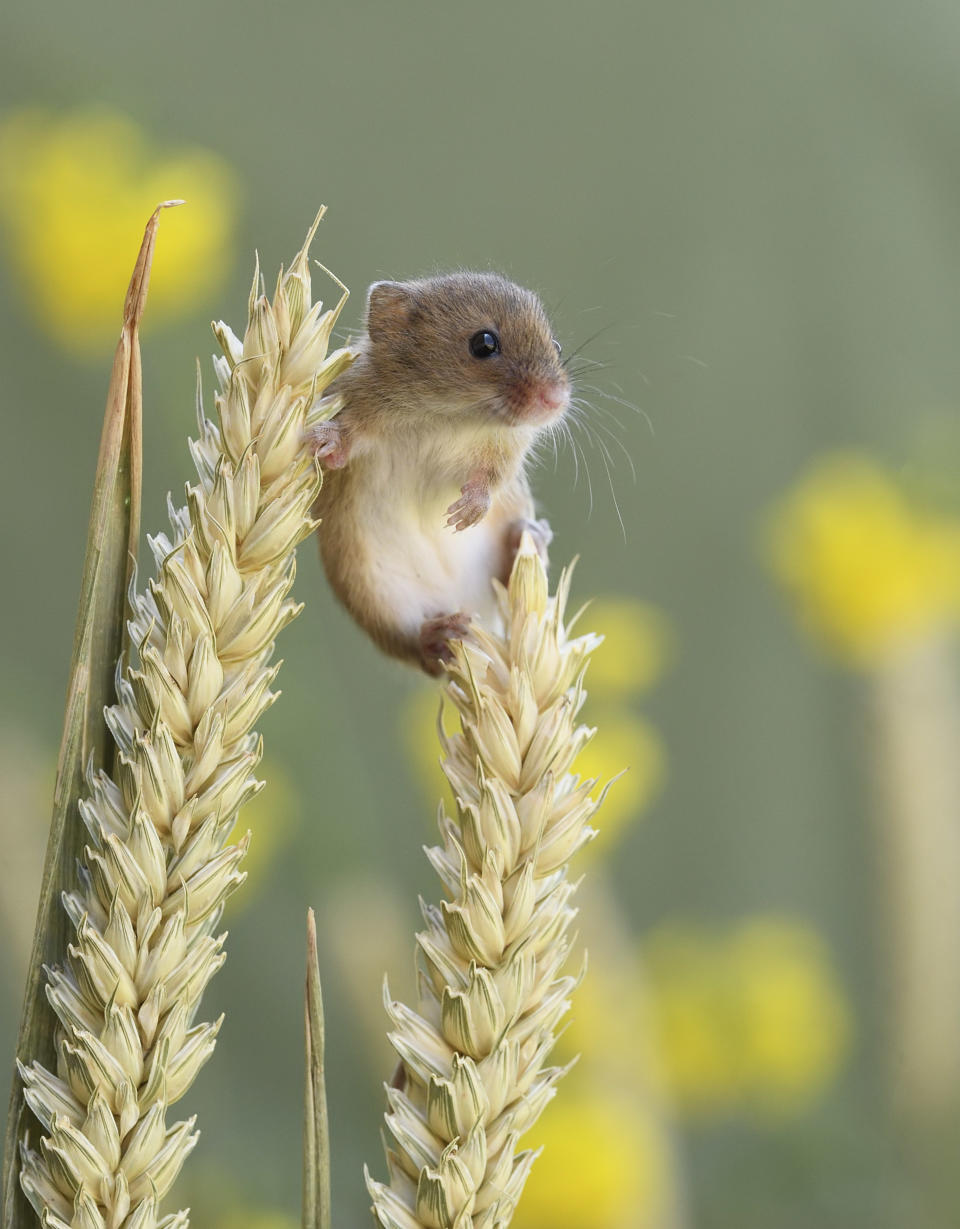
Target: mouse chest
(418, 559)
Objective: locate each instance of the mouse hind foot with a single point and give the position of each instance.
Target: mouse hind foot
(539, 531)
(435, 637)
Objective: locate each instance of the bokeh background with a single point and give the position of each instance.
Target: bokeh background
(748, 214)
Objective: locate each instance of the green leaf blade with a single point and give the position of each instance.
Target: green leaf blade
(100, 640)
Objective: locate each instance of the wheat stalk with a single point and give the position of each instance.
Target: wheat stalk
(474, 1055)
(160, 863)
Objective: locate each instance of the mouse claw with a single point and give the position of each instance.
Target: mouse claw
(329, 445)
(472, 506)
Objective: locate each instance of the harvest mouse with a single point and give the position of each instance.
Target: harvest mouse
(424, 494)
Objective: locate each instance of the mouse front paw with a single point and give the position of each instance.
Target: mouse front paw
(472, 506)
(329, 443)
(435, 637)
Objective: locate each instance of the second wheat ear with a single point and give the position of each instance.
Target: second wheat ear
(494, 988)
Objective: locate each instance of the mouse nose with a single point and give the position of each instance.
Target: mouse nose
(552, 395)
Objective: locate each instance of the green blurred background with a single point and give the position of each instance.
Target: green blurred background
(753, 210)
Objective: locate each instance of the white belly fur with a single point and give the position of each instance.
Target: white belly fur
(422, 568)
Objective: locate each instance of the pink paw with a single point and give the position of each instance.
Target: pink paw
(329, 444)
(472, 506)
(435, 637)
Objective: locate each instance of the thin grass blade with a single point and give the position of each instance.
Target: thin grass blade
(316, 1137)
(99, 641)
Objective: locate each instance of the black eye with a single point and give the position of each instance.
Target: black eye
(484, 343)
(559, 347)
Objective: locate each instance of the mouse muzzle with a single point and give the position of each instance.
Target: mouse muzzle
(538, 401)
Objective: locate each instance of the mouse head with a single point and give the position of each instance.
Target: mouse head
(470, 344)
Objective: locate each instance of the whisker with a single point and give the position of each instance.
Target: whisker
(588, 419)
(573, 451)
(603, 412)
(576, 451)
(548, 439)
(593, 337)
(627, 405)
(586, 470)
(616, 502)
(568, 436)
(607, 462)
(620, 444)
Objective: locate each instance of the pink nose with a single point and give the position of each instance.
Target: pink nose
(552, 395)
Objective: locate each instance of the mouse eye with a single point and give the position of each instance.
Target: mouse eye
(559, 347)
(484, 343)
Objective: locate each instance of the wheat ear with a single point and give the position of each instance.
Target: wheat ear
(474, 1055)
(160, 863)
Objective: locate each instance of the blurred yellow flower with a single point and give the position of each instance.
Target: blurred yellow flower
(622, 741)
(609, 1030)
(75, 193)
(795, 1018)
(755, 1019)
(694, 1011)
(868, 569)
(638, 643)
(603, 1165)
(272, 817)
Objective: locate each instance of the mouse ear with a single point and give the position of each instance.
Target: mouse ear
(388, 308)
